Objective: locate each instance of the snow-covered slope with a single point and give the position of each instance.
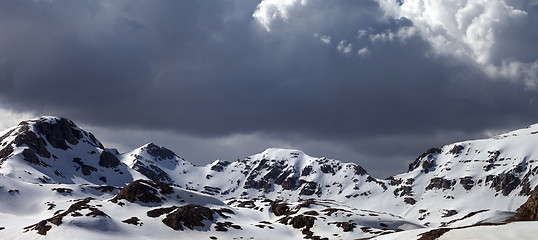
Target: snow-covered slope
(491, 175)
(434, 192)
(58, 180)
(275, 173)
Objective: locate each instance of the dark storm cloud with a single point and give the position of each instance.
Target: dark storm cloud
(207, 69)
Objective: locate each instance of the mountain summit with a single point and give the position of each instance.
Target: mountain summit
(55, 150)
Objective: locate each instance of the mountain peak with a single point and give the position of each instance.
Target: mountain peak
(54, 150)
(281, 153)
(160, 153)
(58, 131)
(153, 161)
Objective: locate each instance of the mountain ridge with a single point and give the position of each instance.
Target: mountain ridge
(53, 154)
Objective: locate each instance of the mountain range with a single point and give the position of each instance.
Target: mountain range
(58, 181)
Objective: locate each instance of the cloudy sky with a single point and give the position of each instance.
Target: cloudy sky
(375, 82)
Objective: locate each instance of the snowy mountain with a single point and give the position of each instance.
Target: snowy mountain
(55, 150)
(59, 181)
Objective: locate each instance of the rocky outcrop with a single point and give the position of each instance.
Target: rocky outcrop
(467, 183)
(43, 227)
(440, 183)
(152, 172)
(160, 153)
(429, 154)
(144, 191)
(188, 216)
(108, 160)
(505, 183)
(529, 210)
(219, 166)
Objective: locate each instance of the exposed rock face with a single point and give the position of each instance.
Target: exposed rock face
(456, 149)
(160, 152)
(529, 210)
(280, 208)
(133, 220)
(309, 188)
(505, 183)
(108, 160)
(346, 226)
(153, 161)
(426, 164)
(36, 144)
(144, 191)
(5, 153)
(467, 183)
(440, 183)
(31, 157)
(152, 172)
(219, 167)
(302, 221)
(59, 132)
(42, 227)
(188, 216)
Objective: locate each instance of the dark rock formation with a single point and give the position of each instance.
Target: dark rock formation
(403, 191)
(506, 184)
(108, 160)
(86, 169)
(280, 208)
(456, 150)
(36, 144)
(188, 216)
(440, 183)
(42, 227)
(63, 190)
(159, 152)
(143, 191)
(133, 220)
(154, 213)
(224, 226)
(346, 226)
(219, 167)
(309, 188)
(529, 210)
(306, 171)
(449, 213)
(302, 221)
(410, 201)
(429, 154)
(152, 172)
(30, 156)
(359, 170)
(5, 153)
(60, 132)
(467, 182)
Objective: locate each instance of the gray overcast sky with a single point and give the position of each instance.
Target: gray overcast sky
(375, 82)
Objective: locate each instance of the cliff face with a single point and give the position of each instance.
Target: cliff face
(529, 210)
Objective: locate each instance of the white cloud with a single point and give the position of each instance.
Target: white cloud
(467, 30)
(402, 34)
(343, 48)
(363, 52)
(269, 10)
(361, 33)
(325, 39)
(10, 118)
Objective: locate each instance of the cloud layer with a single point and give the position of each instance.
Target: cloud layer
(375, 81)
